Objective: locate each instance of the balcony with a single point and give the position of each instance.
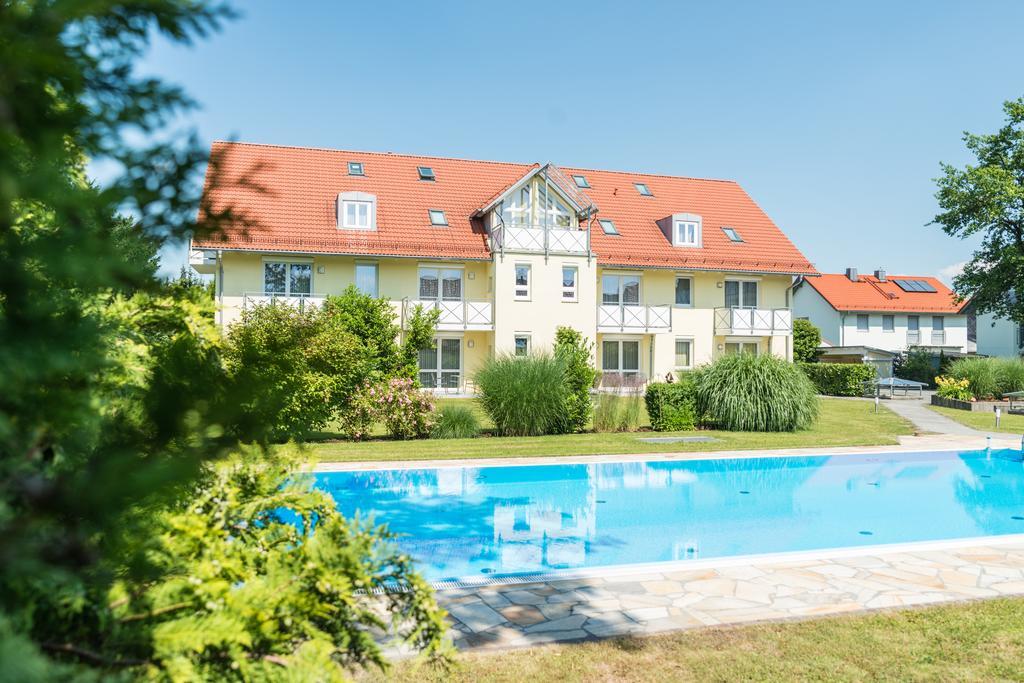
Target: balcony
(540, 239)
(457, 315)
(913, 337)
(297, 300)
(938, 337)
(633, 318)
(753, 322)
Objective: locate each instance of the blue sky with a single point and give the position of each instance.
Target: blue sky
(833, 116)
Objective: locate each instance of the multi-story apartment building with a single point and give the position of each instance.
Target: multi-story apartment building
(891, 313)
(662, 273)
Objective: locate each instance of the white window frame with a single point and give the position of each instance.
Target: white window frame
(619, 341)
(438, 213)
(867, 322)
(288, 263)
(677, 238)
(376, 276)
(621, 289)
(675, 284)
(572, 291)
(741, 345)
(742, 297)
(515, 346)
(892, 328)
(941, 327)
(608, 226)
(675, 354)
(348, 225)
(522, 292)
(437, 371)
(439, 272)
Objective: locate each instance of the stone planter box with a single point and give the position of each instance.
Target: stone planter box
(974, 406)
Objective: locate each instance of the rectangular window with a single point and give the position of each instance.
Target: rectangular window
(938, 323)
(741, 294)
(366, 278)
(441, 366)
(863, 323)
(522, 288)
(608, 227)
(913, 323)
(441, 284)
(683, 347)
(735, 348)
(581, 181)
(620, 290)
(732, 234)
(643, 189)
(288, 279)
(522, 348)
(888, 323)
(687, 234)
(437, 217)
(684, 291)
(355, 214)
(569, 274)
(355, 168)
(425, 172)
(621, 356)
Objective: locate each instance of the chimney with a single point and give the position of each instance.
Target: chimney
(851, 273)
(880, 275)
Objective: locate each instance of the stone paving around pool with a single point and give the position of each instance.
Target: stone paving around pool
(506, 616)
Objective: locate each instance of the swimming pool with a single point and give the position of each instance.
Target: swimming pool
(473, 522)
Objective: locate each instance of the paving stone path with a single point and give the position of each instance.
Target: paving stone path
(508, 616)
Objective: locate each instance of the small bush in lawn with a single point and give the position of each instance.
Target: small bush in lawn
(759, 393)
(619, 408)
(575, 351)
(405, 410)
(838, 379)
(670, 406)
(455, 422)
(523, 396)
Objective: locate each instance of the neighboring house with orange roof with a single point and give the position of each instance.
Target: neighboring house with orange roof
(663, 273)
(887, 312)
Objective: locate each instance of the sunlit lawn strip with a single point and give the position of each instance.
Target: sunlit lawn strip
(984, 420)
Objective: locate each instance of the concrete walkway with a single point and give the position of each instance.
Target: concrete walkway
(927, 420)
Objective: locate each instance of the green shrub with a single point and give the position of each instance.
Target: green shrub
(759, 393)
(575, 352)
(455, 422)
(806, 340)
(671, 406)
(989, 377)
(918, 365)
(838, 379)
(523, 396)
(617, 412)
(950, 387)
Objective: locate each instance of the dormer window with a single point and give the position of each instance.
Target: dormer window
(355, 168)
(357, 211)
(426, 173)
(732, 234)
(581, 181)
(437, 217)
(643, 189)
(686, 232)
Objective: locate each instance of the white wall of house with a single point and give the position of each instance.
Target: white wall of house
(853, 334)
(809, 304)
(998, 336)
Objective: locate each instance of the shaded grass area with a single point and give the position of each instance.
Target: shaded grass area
(980, 641)
(841, 423)
(984, 421)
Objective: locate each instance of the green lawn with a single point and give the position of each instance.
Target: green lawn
(981, 641)
(985, 421)
(842, 423)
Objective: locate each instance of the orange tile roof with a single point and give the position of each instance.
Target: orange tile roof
(294, 209)
(871, 294)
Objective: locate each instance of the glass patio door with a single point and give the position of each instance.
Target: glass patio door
(740, 294)
(620, 356)
(620, 290)
(441, 366)
(735, 348)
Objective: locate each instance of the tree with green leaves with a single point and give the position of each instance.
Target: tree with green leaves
(576, 353)
(138, 537)
(986, 199)
(806, 340)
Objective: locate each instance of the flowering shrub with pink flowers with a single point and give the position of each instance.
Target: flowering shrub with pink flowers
(405, 411)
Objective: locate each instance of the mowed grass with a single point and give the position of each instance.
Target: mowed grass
(984, 421)
(980, 641)
(842, 423)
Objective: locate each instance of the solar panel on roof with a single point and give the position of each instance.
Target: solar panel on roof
(915, 285)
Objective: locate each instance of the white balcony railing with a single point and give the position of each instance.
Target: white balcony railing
(460, 315)
(938, 337)
(298, 300)
(537, 238)
(913, 337)
(636, 318)
(753, 322)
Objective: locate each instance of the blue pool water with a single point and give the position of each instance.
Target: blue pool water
(491, 521)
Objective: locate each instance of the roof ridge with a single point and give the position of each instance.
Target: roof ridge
(474, 161)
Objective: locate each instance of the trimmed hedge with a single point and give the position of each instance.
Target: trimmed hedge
(671, 406)
(838, 379)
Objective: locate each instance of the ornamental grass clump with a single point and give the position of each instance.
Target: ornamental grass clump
(751, 393)
(979, 373)
(455, 422)
(523, 396)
